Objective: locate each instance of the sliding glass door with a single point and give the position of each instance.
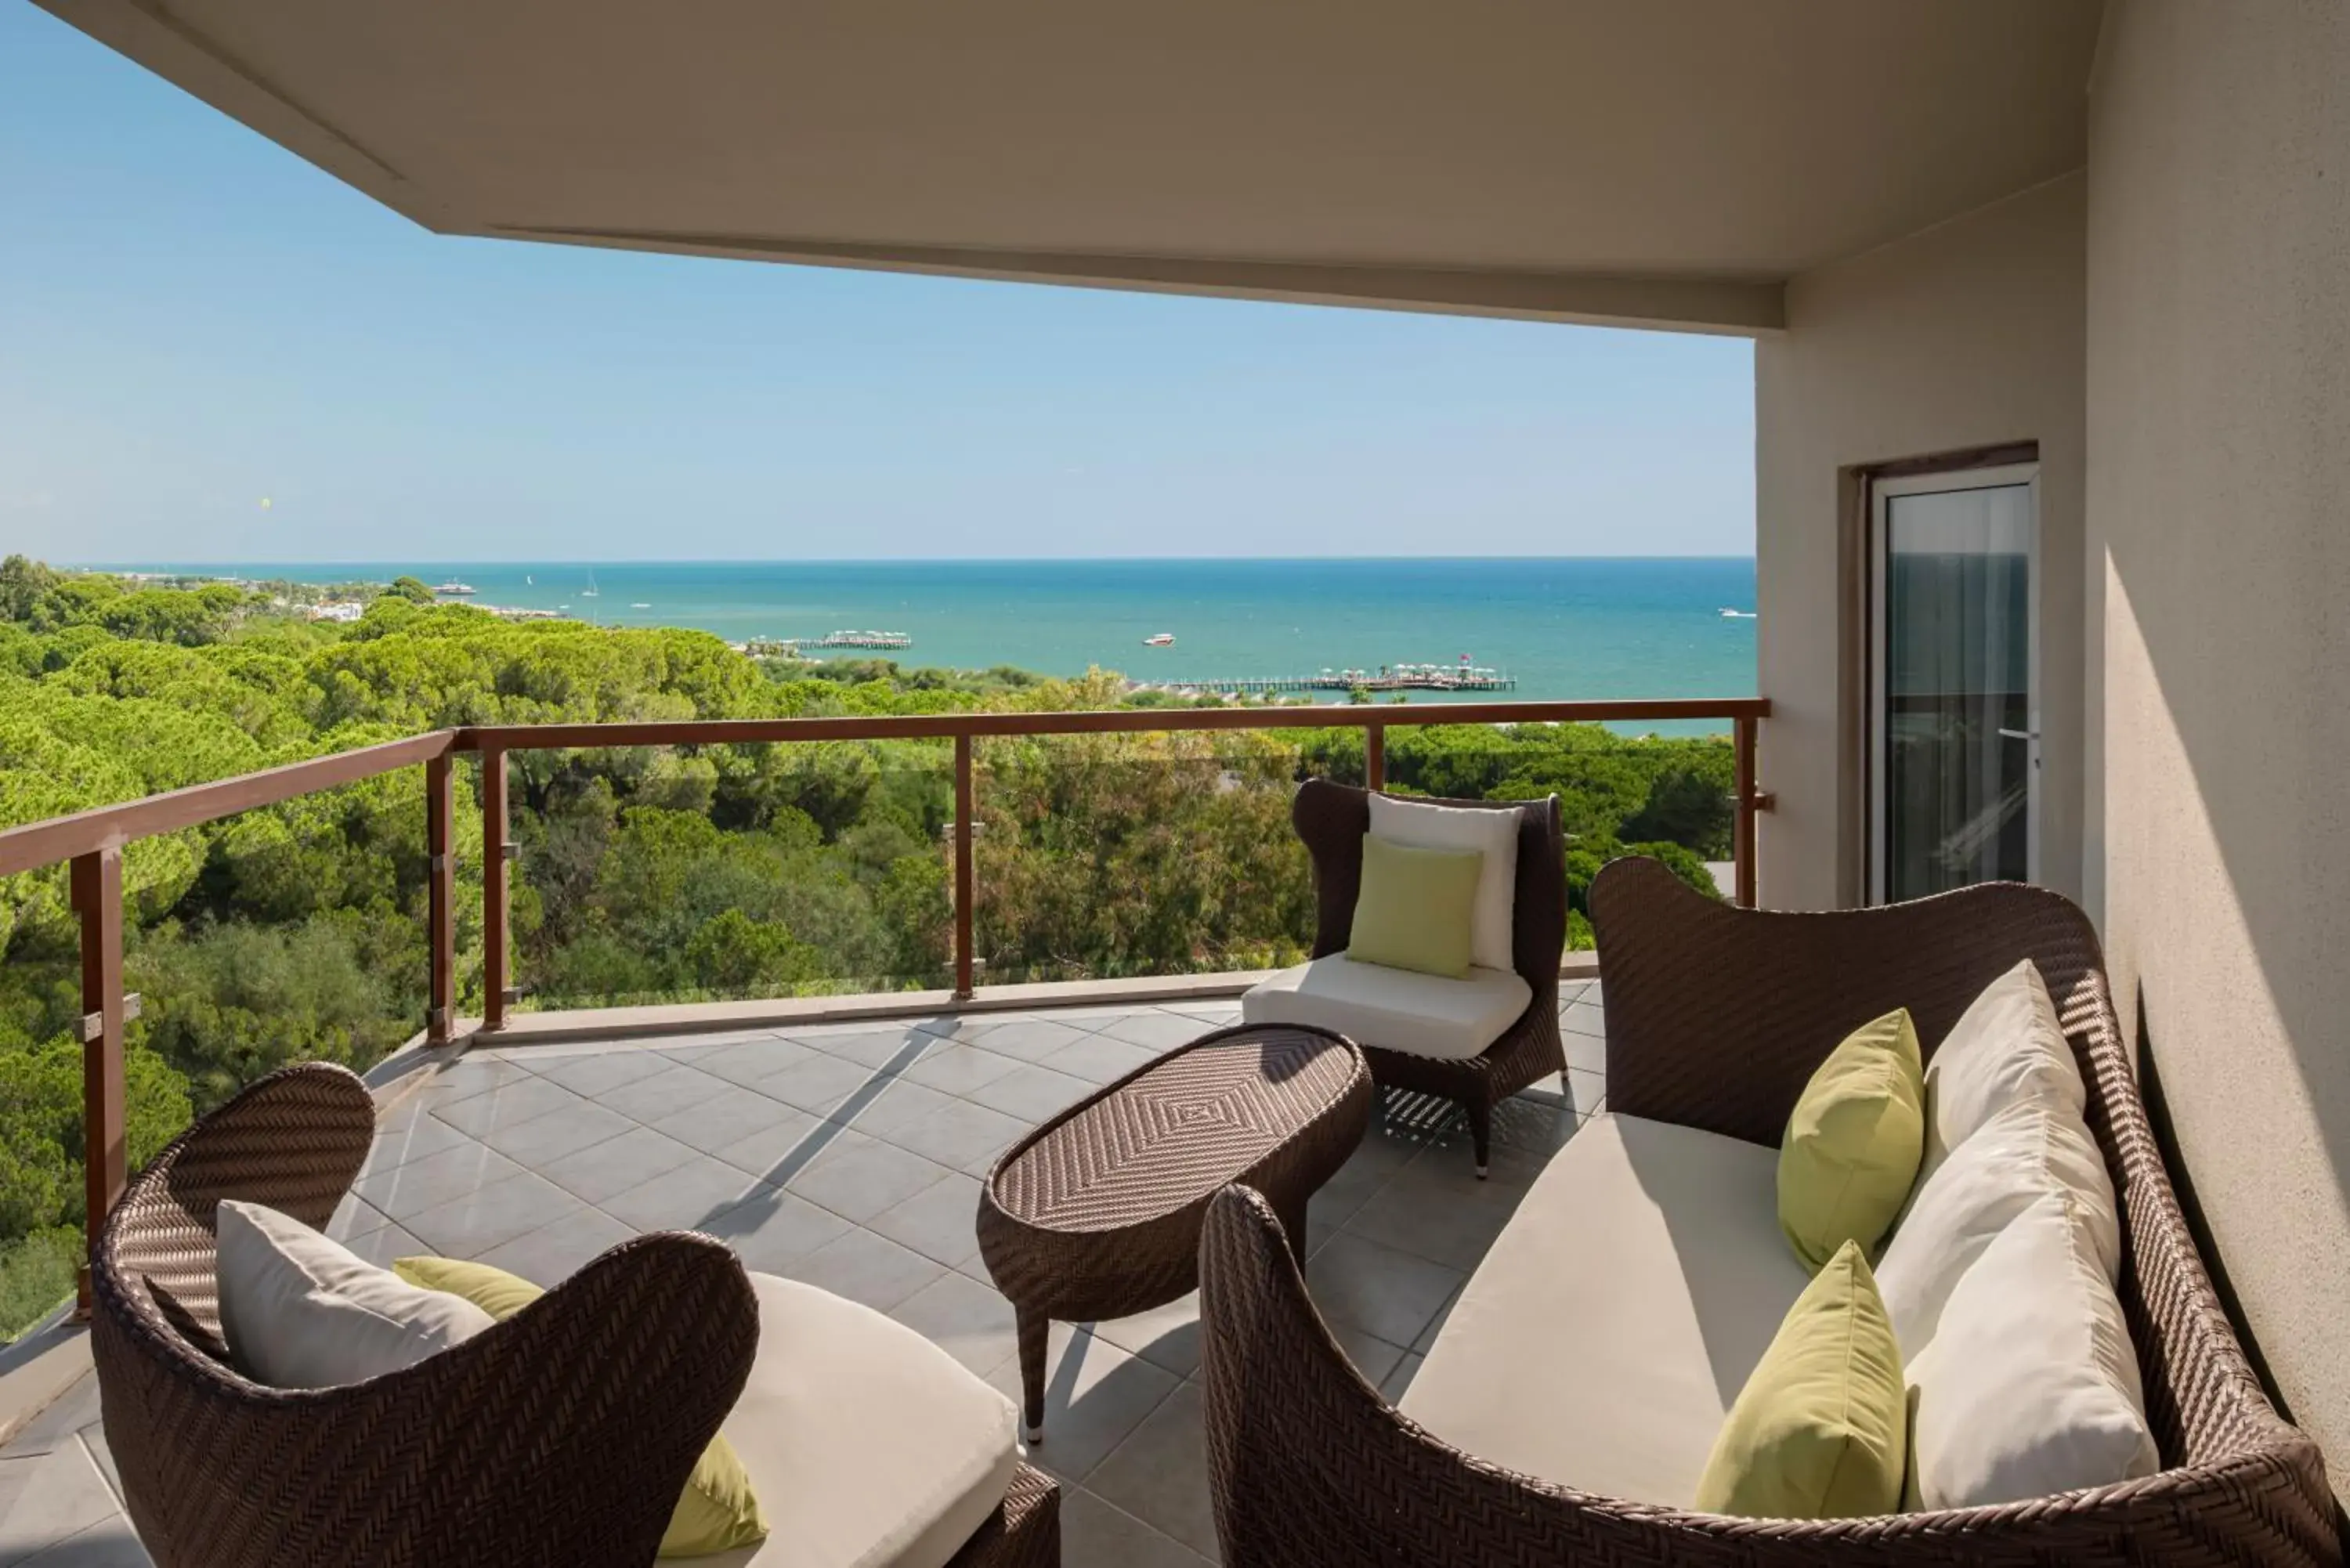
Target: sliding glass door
(1954, 718)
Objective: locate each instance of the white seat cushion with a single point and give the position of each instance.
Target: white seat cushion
(1393, 1009)
(1490, 831)
(868, 1447)
(301, 1311)
(1603, 1340)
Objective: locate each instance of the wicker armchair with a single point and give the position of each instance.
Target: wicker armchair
(1716, 1018)
(1332, 819)
(560, 1437)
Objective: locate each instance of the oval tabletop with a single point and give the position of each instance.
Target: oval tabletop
(1176, 1132)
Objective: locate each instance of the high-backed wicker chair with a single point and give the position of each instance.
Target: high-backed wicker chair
(1332, 819)
(1716, 1019)
(560, 1437)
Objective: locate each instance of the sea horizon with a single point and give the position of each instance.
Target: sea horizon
(1563, 627)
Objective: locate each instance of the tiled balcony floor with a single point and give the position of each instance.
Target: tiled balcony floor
(849, 1155)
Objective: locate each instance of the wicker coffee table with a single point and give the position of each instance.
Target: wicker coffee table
(1096, 1213)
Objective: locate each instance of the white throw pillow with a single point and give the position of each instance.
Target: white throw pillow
(2007, 1047)
(300, 1310)
(2030, 1385)
(2021, 1155)
(1418, 824)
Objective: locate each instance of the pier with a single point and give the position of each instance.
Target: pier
(790, 646)
(1398, 677)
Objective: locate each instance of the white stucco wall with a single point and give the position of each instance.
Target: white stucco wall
(1968, 335)
(2219, 396)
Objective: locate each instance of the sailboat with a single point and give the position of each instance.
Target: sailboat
(590, 591)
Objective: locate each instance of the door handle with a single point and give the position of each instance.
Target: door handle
(2020, 735)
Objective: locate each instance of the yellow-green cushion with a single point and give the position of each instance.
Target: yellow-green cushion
(716, 1512)
(1821, 1430)
(1854, 1141)
(1417, 908)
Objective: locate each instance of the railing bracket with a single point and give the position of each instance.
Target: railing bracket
(510, 851)
(93, 1024)
(436, 862)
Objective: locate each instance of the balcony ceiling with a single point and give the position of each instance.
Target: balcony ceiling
(1665, 161)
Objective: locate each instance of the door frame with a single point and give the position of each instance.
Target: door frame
(1882, 490)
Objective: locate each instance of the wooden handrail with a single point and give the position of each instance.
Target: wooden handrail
(39, 844)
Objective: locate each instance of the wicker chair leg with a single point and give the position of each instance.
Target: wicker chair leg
(1034, 1329)
(1480, 1132)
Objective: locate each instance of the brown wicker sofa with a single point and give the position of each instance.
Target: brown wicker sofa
(560, 1437)
(1331, 818)
(1716, 1018)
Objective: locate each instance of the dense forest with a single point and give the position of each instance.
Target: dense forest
(297, 931)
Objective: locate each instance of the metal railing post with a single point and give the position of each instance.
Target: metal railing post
(96, 883)
(1746, 803)
(496, 854)
(962, 869)
(440, 902)
(1374, 756)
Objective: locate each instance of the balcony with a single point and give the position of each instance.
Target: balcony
(848, 1154)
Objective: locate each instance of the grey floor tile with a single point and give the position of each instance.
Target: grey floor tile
(866, 1268)
(506, 1106)
(820, 1085)
(746, 1061)
(1166, 1336)
(613, 1166)
(939, 1222)
(415, 1138)
(1215, 1014)
(739, 1113)
(1587, 1090)
(1378, 1288)
(1355, 1184)
(110, 1544)
(594, 1073)
(583, 1124)
(1095, 1394)
(386, 1242)
(1159, 1473)
(1583, 1018)
(553, 1253)
(93, 1437)
(1373, 1357)
(781, 1143)
(873, 1045)
(1031, 1093)
(960, 1135)
(1433, 1217)
(1098, 1059)
(1587, 1051)
(969, 1321)
(63, 1494)
(1096, 1534)
(959, 1069)
(1025, 1039)
(772, 1231)
(471, 1225)
(1392, 1388)
(857, 1177)
(435, 1180)
(890, 1104)
(1436, 1324)
(355, 1217)
(74, 1408)
(1157, 1031)
(673, 1088)
(474, 1074)
(686, 1196)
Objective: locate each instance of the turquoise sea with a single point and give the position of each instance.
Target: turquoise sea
(1566, 627)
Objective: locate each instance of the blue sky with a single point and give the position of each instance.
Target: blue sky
(193, 320)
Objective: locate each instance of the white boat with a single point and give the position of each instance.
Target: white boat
(454, 589)
(640, 605)
(590, 591)
(1729, 614)
(1164, 639)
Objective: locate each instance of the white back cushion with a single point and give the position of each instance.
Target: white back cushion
(2007, 1047)
(300, 1310)
(2030, 1385)
(2021, 1155)
(1493, 833)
